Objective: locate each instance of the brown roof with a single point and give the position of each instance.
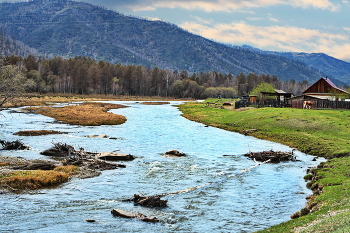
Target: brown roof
(323, 85)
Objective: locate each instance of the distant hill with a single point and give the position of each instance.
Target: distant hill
(331, 66)
(69, 29)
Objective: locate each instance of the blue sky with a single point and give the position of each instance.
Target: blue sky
(312, 26)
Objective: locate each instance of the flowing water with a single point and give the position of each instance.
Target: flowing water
(233, 202)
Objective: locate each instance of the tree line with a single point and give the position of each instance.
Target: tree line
(83, 75)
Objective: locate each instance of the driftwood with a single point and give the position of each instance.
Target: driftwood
(97, 136)
(79, 157)
(59, 150)
(115, 156)
(125, 214)
(151, 201)
(15, 145)
(273, 156)
(103, 165)
(245, 170)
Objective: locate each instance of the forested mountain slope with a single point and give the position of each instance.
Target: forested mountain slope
(9, 46)
(333, 67)
(68, 29)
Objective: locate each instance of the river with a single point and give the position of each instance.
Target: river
(261, 197)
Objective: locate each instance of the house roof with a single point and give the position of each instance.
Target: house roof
(277, 92)
(323, 85)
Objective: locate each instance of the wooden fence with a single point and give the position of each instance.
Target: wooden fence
(322, 104)
(316, 104)
(268, 103)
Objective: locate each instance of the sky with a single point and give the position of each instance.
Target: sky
(312, 26)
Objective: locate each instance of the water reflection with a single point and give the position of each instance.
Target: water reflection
(264, 196)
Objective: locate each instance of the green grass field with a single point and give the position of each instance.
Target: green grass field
(323, 133)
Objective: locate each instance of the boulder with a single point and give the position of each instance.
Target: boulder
(150, 201)
(175, 153)
(115, 156)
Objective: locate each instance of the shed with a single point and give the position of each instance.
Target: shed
(281, 96)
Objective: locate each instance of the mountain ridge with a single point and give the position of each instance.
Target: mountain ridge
(68, 28)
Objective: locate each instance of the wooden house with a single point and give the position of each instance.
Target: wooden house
(324, 89)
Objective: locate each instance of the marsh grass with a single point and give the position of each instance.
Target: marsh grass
(35, 99)
(24, 180)
(86, 114)
(37, 132)
(69, 169)
(36, 179)
(317, 132)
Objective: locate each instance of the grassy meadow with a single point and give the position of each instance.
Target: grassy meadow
(323, 133)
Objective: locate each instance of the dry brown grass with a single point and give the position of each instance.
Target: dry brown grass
(69, 169)
(24, 180)
(87, 114)
(35, 99)
(37, 132)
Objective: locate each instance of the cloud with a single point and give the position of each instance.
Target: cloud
(321, 4)
(275, 38)
(214, 5)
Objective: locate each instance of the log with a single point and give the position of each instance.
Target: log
(115, 156)
(125, 214)
(97, 136)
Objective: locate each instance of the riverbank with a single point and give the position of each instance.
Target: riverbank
(316, 132)
(19, 175)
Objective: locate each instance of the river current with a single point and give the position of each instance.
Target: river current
(233, 201)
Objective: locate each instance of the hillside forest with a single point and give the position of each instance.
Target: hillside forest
(83, 75)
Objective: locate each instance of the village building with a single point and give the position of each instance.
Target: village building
(324, 89)
(278, 98)
(323, 94)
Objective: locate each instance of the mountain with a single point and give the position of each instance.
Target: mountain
(9, 46)
(69, 28)
(333, 67)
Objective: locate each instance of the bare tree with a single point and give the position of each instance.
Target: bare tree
(12, 83)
